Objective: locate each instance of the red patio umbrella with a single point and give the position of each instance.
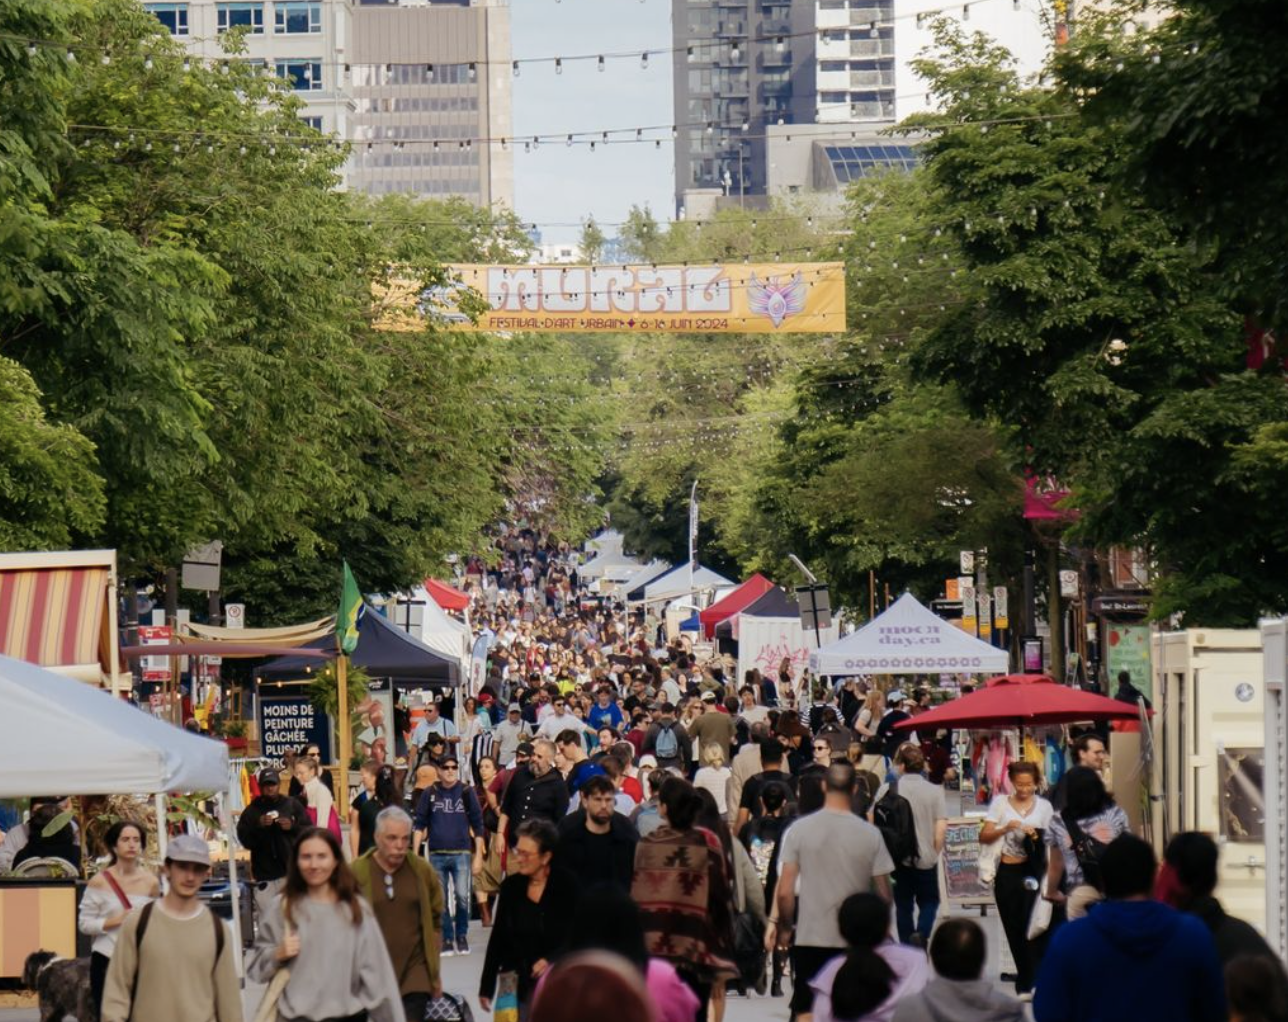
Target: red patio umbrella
(1021, 700)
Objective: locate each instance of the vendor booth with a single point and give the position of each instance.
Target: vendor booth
(733, 602)
(908, 638)
(637, 580)
(58, 611)
(768, 631)
(1210, 754)
(62, 737)
(679, 581)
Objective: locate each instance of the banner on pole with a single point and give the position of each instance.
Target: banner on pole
(770, 298)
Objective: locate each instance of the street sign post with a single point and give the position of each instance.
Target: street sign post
(816, 609)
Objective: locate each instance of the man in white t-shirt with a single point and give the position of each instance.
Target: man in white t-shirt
(834, 854)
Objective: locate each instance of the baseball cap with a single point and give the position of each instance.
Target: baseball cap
(708, 697)
(269, 776)
(515, 708)
(895, 697)
(188, 848)
(526, 749)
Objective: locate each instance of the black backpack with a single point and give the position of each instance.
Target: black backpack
(1087, 850)
(893, 817)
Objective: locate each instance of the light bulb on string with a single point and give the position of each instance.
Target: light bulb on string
(600, 62)
(558, 65)
(644, 61)
(429, 72)
(71, 55)
(147, 62)
(515, 67)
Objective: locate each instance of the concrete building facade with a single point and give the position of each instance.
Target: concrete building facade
(412, 84)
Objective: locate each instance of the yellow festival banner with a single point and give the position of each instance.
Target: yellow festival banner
(752, 298)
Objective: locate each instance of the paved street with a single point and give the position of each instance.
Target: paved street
(461, 975)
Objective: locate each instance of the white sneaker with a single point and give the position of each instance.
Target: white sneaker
(448, 951)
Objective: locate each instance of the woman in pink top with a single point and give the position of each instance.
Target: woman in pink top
(875, 974)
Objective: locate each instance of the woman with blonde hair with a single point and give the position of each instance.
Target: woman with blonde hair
(714, 775)
(865, 726)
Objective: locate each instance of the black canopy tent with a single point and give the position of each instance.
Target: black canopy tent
(384, 651)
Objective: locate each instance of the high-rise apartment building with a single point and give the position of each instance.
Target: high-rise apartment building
(748, 70)
(739, 65)
(431, 86)
(415, 85)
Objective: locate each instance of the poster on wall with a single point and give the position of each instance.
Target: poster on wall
(287, 722)
(372, 731)
(1129, 651)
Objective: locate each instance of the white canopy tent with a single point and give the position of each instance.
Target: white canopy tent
(610, 543)
(606, 565)
(638, 578)
(908, 639)
(678, 582)
(422, 618)
(106, 746)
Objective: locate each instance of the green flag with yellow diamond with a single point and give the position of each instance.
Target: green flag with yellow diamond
(350, 613)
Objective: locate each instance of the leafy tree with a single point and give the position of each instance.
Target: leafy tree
(591, 241)
(1100, 336)
(49, 489)
(1202, 95)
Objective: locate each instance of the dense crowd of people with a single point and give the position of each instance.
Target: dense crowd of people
(639, 831)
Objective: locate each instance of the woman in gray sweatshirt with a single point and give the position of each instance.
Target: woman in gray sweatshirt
(324, 931)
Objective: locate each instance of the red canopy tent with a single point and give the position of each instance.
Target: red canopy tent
(740, 599)
(445, 596)
(1021, 700)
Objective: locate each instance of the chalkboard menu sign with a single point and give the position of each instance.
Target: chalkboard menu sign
(959, 863)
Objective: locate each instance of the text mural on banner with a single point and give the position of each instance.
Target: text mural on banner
(769, 298)
(287, 722)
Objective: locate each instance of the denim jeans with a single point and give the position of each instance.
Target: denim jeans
(454, 866)
(921, 886)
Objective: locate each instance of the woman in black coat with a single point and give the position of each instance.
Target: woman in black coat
(533, 909)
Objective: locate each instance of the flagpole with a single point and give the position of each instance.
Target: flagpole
(346, 739)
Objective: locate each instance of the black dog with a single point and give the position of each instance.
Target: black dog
(63, 986)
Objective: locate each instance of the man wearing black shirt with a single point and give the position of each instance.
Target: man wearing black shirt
(596, 844)
(771, 757)
(895, 714)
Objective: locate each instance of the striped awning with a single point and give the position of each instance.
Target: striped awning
(55, 617)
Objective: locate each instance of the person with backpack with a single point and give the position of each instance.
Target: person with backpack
(174, 958)
(669, 742)
(1132, 959)
(911, 817)
(833, 854)
(1080, 833)
(895, 714)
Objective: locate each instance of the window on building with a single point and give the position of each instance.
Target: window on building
(302, 75)
(833, 65)
(239, 15)
(173, 16)
(297, 18)
(833, 97)
(313, 122)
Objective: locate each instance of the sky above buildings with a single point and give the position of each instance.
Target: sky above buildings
(563, 184)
